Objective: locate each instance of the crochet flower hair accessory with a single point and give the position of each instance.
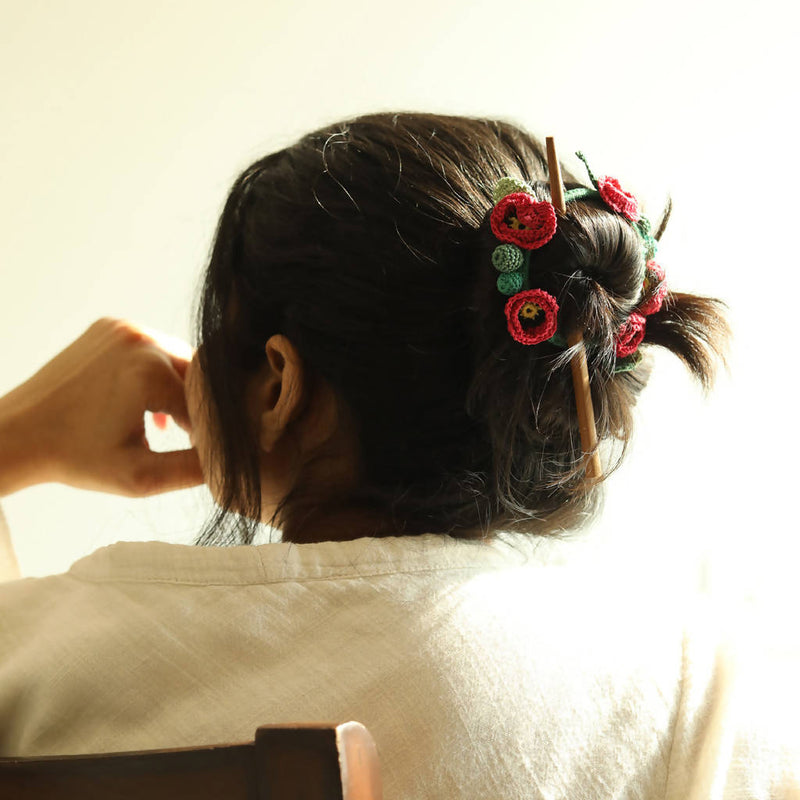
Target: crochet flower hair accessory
(614, 196)
(532, 316)
(524, 224)
(519, 219)
(654, 288)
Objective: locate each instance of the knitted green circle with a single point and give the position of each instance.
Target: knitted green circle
(506, 186)
(509, 282)
(507, 257)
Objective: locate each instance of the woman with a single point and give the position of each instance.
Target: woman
(383, 373)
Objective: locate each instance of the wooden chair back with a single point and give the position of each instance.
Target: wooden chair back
(297, 762)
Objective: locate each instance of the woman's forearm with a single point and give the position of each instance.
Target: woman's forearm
(21, 453)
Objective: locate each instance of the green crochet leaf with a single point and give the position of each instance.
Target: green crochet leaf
(629, 363)
(580, 193)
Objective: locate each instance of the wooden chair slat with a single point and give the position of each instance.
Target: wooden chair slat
(284, 762)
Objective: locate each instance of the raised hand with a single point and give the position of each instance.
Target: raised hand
(80, 419)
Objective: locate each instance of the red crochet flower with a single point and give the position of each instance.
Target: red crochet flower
(630, 335)
(521, 220)
(616, 197)
(655, 289)
(532, 316)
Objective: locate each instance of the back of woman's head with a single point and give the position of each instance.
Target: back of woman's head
(368, 244)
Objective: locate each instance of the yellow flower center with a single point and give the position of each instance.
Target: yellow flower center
(530, 310)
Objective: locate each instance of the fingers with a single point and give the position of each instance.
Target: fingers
(180, 364)
(86, 406)
(154, 473)
(165, 394)
(179, 352)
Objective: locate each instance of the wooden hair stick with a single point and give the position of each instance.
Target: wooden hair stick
(580, 371)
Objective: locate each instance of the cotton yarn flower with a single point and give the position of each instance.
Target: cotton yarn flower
(523, 224)
(532, 316)
(521, 220)
(618, 199)
(630, 335)
(614, 196)
(655, 289)
(632, 331)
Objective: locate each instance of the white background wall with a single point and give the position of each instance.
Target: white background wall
(123, 124)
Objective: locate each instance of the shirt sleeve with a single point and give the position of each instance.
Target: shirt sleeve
(9, 566)
(736, 734)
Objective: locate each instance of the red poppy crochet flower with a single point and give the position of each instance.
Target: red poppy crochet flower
(520, 219)
(630, 335)
(532, 316)
(655, 289)
(616, 197)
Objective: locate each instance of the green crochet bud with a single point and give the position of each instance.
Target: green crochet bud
(506, 186)
(509, 282)
(507, 258)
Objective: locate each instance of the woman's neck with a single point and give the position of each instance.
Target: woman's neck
(320, 525)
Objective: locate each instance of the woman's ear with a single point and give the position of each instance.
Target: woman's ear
(280, 396)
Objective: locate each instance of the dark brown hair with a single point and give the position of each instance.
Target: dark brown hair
(367, 243)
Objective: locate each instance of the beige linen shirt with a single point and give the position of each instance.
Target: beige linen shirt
(484, 670)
